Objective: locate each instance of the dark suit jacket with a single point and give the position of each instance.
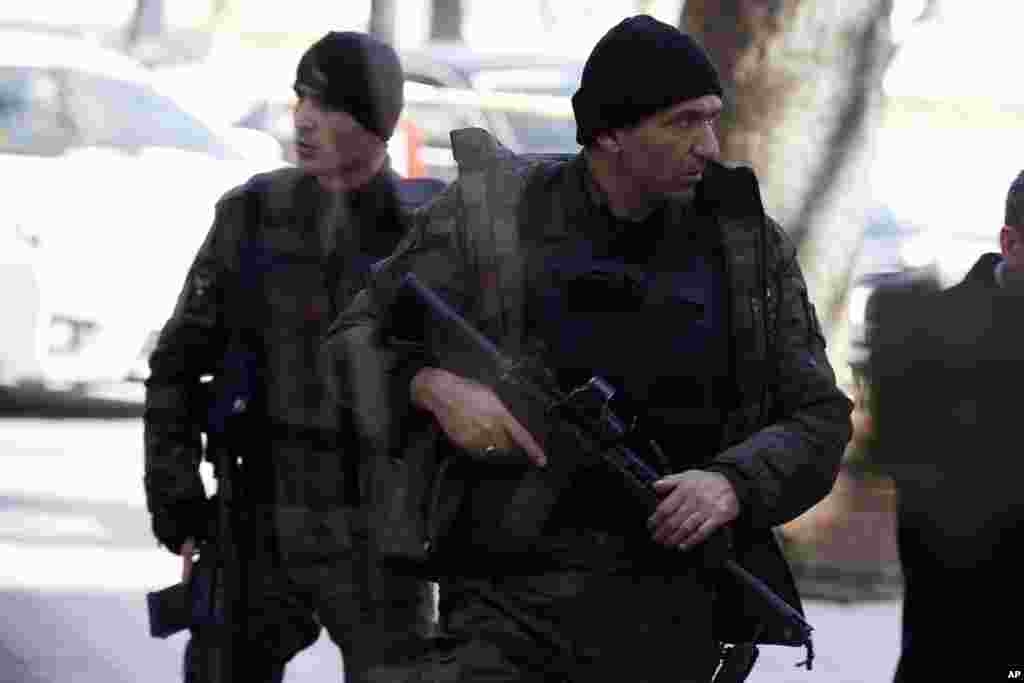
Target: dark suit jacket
(948, 372)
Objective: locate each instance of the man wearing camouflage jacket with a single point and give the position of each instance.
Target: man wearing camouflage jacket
(644, 261)
(303, 251)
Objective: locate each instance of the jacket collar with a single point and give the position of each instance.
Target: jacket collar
(983, 272)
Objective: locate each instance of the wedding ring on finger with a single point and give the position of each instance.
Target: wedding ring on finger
(496, 455)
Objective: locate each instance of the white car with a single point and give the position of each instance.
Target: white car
(112, 183)
(22, 308)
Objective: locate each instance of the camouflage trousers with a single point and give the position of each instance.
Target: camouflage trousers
(378, 620)
(573, 627)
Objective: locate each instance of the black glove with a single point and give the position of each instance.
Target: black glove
(176, 522)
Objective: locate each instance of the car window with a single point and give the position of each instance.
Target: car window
(538, 80)
(541, 134)
(31, 117)
(533, 123)
(130, 116)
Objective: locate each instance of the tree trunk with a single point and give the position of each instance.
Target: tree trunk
(382, 20)
(446, 20)
(802, 81)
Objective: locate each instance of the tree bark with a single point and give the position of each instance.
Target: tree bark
(446, 20)
(802, 81)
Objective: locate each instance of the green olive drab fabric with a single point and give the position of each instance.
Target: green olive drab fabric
(283, 256)
(310, 254)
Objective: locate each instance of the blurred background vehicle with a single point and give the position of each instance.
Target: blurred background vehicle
(524, 123)
(23, 307)
(113, 182)
(523, 99)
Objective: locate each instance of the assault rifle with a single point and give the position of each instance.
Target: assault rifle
(227, 406)
(229, 436)
(214, 596)
(587, 412)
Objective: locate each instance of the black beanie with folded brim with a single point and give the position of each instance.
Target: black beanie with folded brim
(358, 74)
(639, 67)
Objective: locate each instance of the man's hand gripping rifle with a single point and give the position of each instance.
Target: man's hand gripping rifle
(586, 411)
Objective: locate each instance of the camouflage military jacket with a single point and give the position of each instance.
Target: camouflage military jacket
(315, 252)
(782, 441)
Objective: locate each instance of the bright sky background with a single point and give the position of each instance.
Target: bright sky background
(943, 57)
(966, 51)
(967, 29)
(491, 23)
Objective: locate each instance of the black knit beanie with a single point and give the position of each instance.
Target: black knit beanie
(640, 66)
(356, 73)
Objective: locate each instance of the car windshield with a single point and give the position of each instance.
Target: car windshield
(541, 134)
(30, 112)
(529, 123)
(132, 115)
(43, 112)
(538, 80)
(544, 123)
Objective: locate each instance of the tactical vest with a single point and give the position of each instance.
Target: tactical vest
(496, 187)
(494, 182)
(302, 260)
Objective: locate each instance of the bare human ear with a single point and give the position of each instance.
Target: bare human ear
(1008, 238)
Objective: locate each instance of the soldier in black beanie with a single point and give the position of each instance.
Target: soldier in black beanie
(645, 110)
(643, 261)
(350, 94)
(286, 252)
(638, 67)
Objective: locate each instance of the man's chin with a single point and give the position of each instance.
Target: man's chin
(310, 166)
